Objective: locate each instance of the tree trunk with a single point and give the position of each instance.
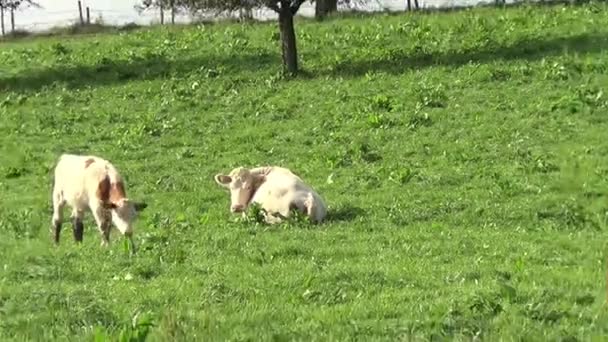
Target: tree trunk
(2, 20)
(246, 14)
(162, 13)
(12, 20)
(325, 7)
(288, 40)
(172, 12)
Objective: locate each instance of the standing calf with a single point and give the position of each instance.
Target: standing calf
(90, 181)
(276, 189)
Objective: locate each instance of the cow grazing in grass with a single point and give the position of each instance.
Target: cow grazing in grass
(91, 182)
(277, 190)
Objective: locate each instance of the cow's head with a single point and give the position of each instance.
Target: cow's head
(125, 212)
(242, 185)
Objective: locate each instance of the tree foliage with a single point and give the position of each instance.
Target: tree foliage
(234, 5)
(14, 4)
(11, 6)
(220, 6)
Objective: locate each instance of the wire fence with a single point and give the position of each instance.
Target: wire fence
(64, 13)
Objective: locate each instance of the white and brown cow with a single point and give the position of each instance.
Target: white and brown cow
(91, 182)
(276, 189)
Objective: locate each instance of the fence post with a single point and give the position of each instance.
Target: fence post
(13, 20)
(2, 20)
(80, 12)
(88, 16)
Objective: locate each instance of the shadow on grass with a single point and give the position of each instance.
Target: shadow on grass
(344, 214)
(527, 49)
(108, 71)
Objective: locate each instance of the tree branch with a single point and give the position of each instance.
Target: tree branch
(14, 4)
(295, 6)
(272, 5)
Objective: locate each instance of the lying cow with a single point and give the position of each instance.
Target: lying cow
(91, 182)
(277, 190)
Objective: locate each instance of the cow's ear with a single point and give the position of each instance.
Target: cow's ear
(140, 206)
(222, 180)
(111, 206)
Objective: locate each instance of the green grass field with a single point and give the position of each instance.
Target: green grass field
(463, 156)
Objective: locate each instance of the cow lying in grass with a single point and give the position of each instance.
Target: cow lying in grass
(277, 190)
(91, 182)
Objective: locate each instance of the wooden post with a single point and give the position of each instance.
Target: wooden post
(162, 13)
(2, 20)
(80, 12)
(172, 12)
(88, 16)
(13, 20)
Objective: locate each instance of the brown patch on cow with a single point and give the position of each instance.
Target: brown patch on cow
(103, 191)
(258, 180)
(88, 162)
(117, 192)
(110, 193)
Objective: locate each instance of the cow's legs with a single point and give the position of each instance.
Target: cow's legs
(58, 204)
(77, 224)
(284, 212)
(103, 219)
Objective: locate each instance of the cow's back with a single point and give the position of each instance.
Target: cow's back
(69, 170)
(282, 189)
(78, 177)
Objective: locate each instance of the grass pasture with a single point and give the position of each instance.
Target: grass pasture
(463, 157)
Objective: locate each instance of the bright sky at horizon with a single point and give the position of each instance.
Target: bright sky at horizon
(117, 12)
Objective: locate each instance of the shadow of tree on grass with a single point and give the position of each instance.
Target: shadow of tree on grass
(108, 71)
(527, 49)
